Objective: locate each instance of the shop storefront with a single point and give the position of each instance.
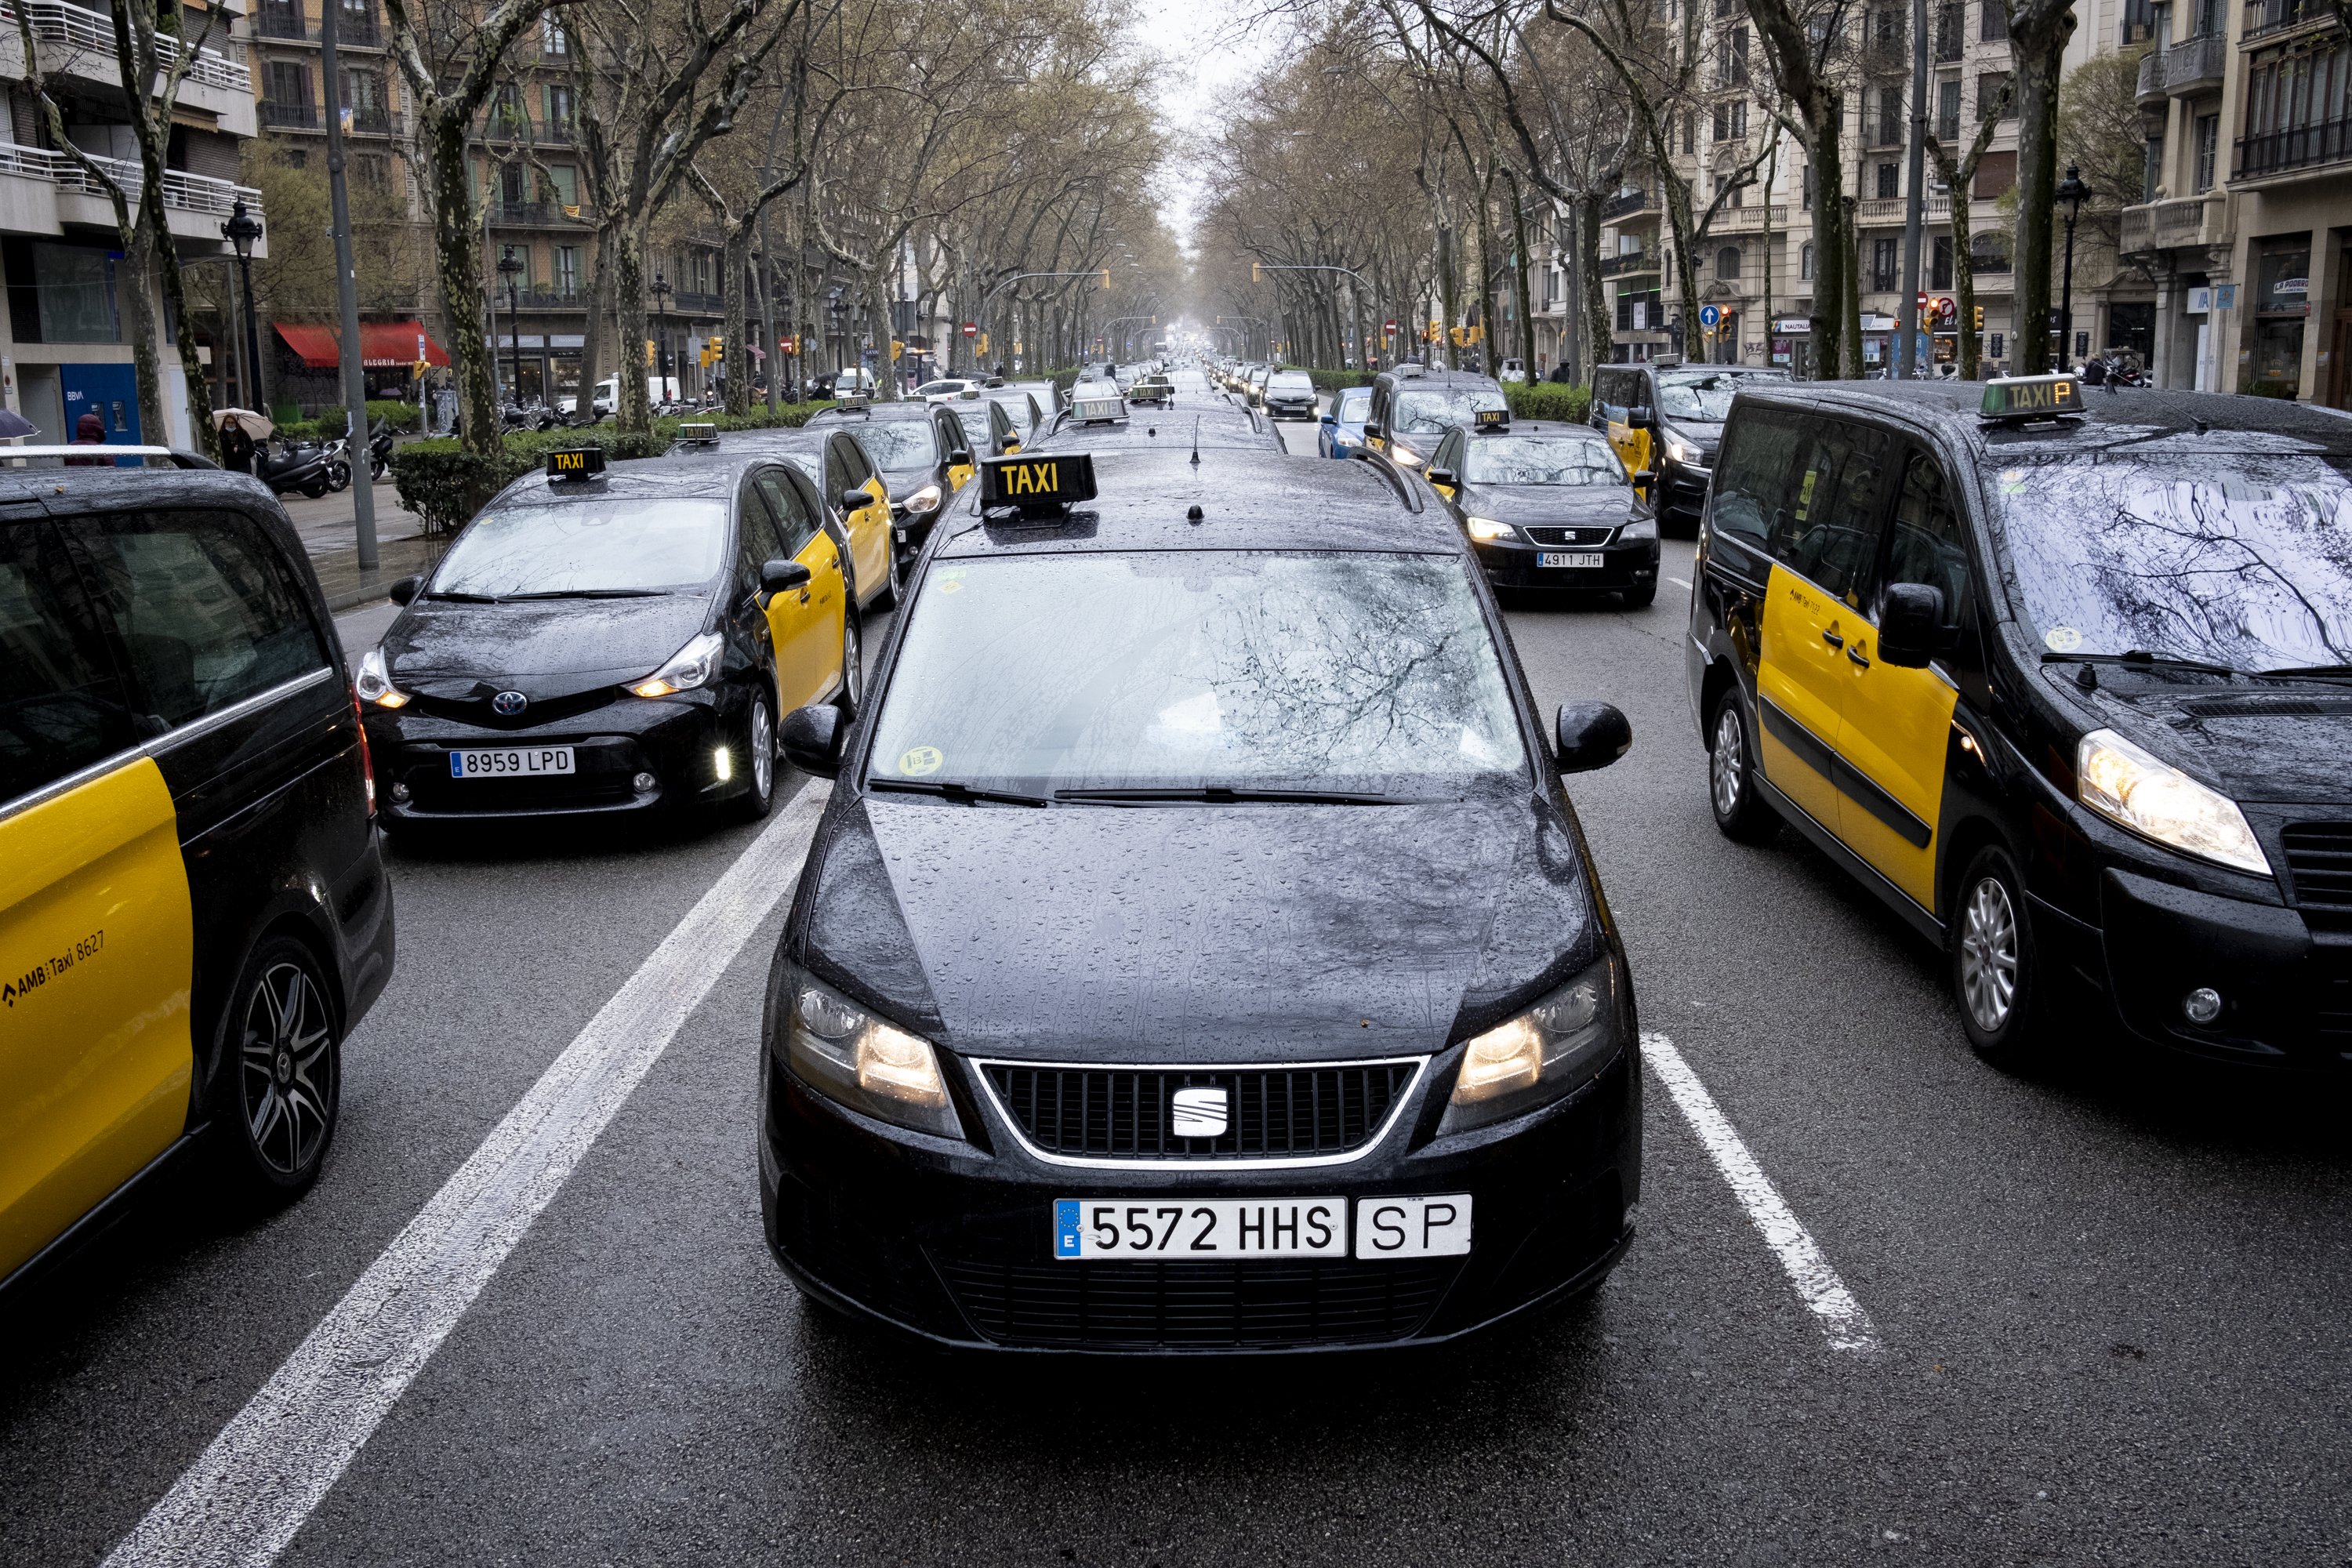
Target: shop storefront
(2271, 358)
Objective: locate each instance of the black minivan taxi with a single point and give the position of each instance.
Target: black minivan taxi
(193, 909)
(1198, 952)
(2065, 678)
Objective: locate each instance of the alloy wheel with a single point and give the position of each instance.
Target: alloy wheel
(286, 1069)
(763, 749)
(1726, 769)
(853, 664)
(1988, 954)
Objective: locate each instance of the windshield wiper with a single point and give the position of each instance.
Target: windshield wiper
(593, 594)
(957, 790)
(1222, 794)
(468, 598)
(2300, 671)
(2140, 658)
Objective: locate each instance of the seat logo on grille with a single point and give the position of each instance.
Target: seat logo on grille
(1199, 1112)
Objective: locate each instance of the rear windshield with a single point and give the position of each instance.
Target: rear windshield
(1434, 410)
(898, 443)
(1706, 396)
(1357, 672)
(1540, 461)
(594, 545)
(1353, 404)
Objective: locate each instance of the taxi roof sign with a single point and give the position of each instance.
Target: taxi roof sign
(2022, 397)
(1042, 482)
(575, 463)
(1494, 418)
(698, 435)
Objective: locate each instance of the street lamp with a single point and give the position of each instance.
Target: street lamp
(241, 230)
(511, 269)
(661, 333)
(2072, 191)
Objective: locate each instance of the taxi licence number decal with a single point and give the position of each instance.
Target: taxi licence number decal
(51, 968)
(917, 761)
(2062, 639)
(1430, 1226)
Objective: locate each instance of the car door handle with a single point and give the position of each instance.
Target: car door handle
(1833, 639)
(1859, 655)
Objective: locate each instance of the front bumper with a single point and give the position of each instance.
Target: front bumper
(1290, 408)
(675, 739)
(1682, 487)
(1511, 564)
(951, 1242)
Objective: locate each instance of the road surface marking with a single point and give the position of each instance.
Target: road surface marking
(1846, 1325)
(247, 1495)
(1678, 583)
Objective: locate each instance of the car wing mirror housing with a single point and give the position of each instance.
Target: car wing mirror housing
(1639, 418)
(811, 739)
(853, 499)
(1591, 736)
(1911, 626)
(404, 592)
(1375, 430)
(1329, 419)
(1643, 479)
(781, 577)
(959, 458)
(1440, 476)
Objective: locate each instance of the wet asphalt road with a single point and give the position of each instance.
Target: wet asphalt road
(2109, 1306)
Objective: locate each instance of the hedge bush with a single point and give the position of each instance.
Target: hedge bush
(446, 485)
(1548, 400)
(1333, 380)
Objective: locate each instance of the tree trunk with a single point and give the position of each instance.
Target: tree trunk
(134, 287)
(1850, 313)
(770, 354)
(1448, 296)
(153, 221)
(1833, 258)
(1520, 275)
(592, 329)
(1678, 221)
(1964, 285)
(2038, 44)
(735, 261)
(633, 410)
(1599, 321)
(886, 369)
(460, 276)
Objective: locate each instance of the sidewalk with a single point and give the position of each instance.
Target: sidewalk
(330, 532)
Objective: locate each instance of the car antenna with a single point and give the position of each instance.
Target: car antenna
(1196, 440)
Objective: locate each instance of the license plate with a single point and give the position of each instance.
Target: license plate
(1088, 1229)
(1567, 558)
(511, 762)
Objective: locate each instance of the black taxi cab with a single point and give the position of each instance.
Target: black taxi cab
(1414, 407)
(1546, 506)
(1389, 1095)
(194, 910)
(848, 483)
(923, 453)
(601, 642)
(1666, 419)
(989, 425)
(2065, 678)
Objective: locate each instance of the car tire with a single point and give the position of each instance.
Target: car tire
(759, 753)
(2006, 997)
(276, 1095)
(852, 695)
(1741, 811)
(887, 599)
(1641, 597)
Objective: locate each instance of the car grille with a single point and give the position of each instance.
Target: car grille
(2319, 863)
(1570, 535)
(1271, 1112)
(458, 798)
(476, 710)
(1257, 1304)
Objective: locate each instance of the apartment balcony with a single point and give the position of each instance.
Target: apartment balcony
(2163, 226)
(1629, 264)
(2294, 150)
(1749, 220)
(2191, 68)
(2267, 19)
(538, 215)
(286, 23)
(686, 302)
(42, 192)
(1879, 212)
(1628, 203)
(275, 116)
(79, 43)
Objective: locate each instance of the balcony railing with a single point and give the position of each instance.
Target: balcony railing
(537, 215)
(1625, 204)
(182, 192)
(688, 302)
(2301, 147)
(2187, 69)
(1740, 220)
(2265, 17)
(1629, 264)
(80, 32)
(1892, 209)
(2161, 226)
(375, 119)
(287, 116)
(360, 30)
(281, 22)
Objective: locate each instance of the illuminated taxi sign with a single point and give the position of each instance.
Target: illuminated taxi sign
(2033, 397)
(1040, 483)
(1494, 418)
(699, 435)
(576, 463)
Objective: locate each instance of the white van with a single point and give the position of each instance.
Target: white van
(659, 389)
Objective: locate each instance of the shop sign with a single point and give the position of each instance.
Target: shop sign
(1793, 324)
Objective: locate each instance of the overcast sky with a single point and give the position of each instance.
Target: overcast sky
(1209, 48)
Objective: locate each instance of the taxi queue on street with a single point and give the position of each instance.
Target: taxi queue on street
(2062, 677)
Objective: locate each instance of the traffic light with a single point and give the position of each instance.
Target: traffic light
(650, 353)
(1980, 317)
(895, 347)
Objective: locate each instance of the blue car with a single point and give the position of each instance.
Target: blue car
(1343, 427)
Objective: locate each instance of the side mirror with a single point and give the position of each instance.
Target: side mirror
(404, 592)
(782, 576)
(1440, 476)
(959, 458)
(1640, 418)
(1330, 420)
(1374, 430)
(1592, 735)
(1911, 626)
(853, 499)
(811, 739)
(1645, 479)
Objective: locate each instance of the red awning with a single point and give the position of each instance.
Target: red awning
(382, 344)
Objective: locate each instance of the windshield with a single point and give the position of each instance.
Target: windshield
(1540, 461)
(807, 463)
(1291, 381)
(2222, 557)
(1353, 404)
(1368, 673)
(899, 443)
(588, 546)
(1706, 396)
(975, 420)
(1431, 412)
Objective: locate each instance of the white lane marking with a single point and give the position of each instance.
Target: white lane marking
(1678, 582)
(1846, 1325)
(247, 1495)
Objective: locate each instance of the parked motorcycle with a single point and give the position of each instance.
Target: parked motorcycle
(379, 449)
(291, 466)
(338, 464)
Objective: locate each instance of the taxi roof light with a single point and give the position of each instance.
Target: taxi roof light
(2015, 399)
(1491, 419)
(575, 463)
(1037, 483)
(700, 434)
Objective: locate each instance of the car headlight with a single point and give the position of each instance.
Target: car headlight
(374, 681)
(922, 500)
(2152, 797)
(689, 667)
(1404, 454)
(1680, 450)
(848, 1055)
(1551, 1049)
(1639, 530)
(1484, 529)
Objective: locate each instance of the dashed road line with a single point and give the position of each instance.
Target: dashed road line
(246, 1494)
(1678, 582)
(1844, 1322)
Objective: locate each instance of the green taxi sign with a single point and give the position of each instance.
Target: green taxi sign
(1038, 483)
(575, 463)
(2033, 397)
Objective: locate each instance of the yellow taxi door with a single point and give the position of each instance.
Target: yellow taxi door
(952, 435)
(96, 935)
(1823, 541)
(1895, 724)
(868, 526)
(1450, 455)
(805, 622)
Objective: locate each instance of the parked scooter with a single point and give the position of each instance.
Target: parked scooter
(338, 464)
(291, 466)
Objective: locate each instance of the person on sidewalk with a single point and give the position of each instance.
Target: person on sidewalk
(237, 447)
(90, 430)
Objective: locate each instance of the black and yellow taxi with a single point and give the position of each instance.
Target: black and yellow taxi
(921, 452)
(1666, 419)
(1546, 506)
(194, 910)
(607, 641)
(2065, 678)
(1262, 714)
(1414, 407)
(848, 483)
(989, 425)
